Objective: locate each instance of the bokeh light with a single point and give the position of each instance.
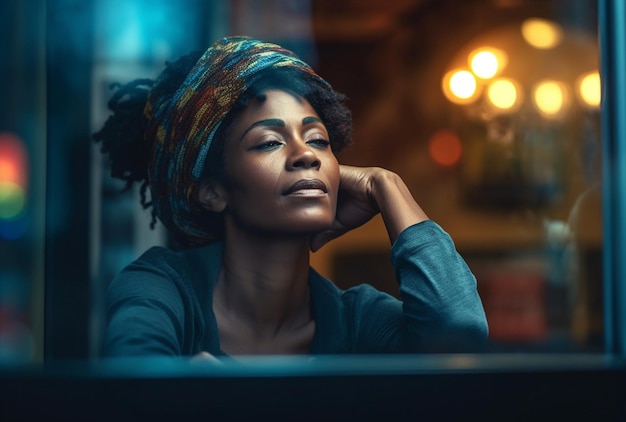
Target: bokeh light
(590, 90)
(503, 94)
(11, 200)
(13, 185)
(487, 62)
(445, 148)
(542, 33)
(460, 86)
(550, 98)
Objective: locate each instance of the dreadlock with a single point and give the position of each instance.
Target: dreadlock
(122, 136)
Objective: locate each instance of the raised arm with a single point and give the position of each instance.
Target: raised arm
(441, 308)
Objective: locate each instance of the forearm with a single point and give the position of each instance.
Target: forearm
(438, 289)
(397, 207)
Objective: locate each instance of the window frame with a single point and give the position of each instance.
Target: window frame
(612, 47)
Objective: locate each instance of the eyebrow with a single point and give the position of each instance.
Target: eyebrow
(279, 123)
(311, 119)
(266, 123)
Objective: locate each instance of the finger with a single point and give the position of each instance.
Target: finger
(205, 357)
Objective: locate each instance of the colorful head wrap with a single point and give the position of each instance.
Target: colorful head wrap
(183, 127)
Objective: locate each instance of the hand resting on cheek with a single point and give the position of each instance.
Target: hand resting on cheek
(363, 193)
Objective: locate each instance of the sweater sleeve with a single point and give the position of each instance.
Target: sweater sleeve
(441, 305)
(146, 311)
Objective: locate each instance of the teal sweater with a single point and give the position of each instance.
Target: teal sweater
(161, 304)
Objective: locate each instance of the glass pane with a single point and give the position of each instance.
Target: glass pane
(22, 184)
(489, 110)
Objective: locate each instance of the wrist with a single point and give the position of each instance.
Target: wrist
(397, 206)
(382, 183)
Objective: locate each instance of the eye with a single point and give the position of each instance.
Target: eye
(266, 146)
(319, 143)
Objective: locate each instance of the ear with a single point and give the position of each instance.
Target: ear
(212, 196)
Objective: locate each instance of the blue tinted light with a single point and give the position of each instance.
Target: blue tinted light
(141, 29)
(13, 229)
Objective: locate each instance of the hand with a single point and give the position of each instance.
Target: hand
(355, 203)
(205, 357)
(363, 193)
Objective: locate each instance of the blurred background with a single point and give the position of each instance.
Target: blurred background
(489, 110)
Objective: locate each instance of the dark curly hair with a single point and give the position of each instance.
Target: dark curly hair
(122, 136)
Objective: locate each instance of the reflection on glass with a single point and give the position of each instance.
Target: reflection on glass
(528, 171)
(589, 89)
(503, 94)
(459, 86)
(16, 329)
(22, 184)
(550, 98)
(507, 159)
(542, 33)
(534, 166)
(512, 174)
(487, 62)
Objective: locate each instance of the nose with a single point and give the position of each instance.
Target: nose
(303, 157)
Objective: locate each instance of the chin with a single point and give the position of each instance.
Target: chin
(307, 226)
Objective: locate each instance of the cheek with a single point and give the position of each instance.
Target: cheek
(334, 175)
(333, 179)
(252, 179)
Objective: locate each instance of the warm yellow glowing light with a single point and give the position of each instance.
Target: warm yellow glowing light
(487, 62)
(589, 89)
(460, 86)
(541, 33)
(463, 84)
(502, 93)
(549, 97)
(484, 64)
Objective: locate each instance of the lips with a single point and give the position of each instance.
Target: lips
(306, 185)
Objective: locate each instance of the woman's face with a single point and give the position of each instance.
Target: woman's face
(282, 176)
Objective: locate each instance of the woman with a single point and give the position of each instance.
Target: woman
(238, 150)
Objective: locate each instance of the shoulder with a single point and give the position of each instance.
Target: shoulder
(162, 271)
(163, 259)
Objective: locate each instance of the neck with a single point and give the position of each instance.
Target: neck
(264, 282)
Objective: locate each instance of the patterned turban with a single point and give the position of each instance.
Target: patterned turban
(181, 128)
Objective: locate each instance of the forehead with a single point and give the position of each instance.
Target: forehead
(277, 104)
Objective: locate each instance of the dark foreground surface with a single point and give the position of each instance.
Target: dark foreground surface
(457, 387)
